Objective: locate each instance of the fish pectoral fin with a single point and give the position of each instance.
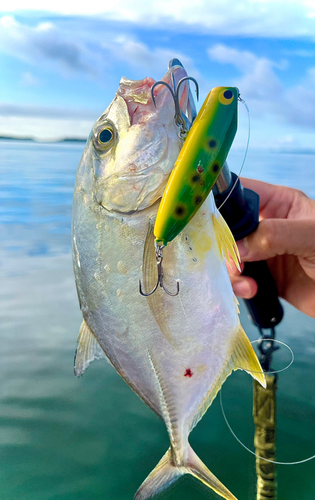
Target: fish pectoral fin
(225, 239)
(149, 260)
(166, 473)
(88, 349)
(244, 357)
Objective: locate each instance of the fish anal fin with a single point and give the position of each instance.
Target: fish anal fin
(167, 472)
(225, 239)
(88, 349)
(244, 357)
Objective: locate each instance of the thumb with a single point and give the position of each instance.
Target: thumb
(282, 236)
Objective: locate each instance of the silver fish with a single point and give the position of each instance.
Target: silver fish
(174, 352)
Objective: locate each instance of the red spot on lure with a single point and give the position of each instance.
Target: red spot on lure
(188, 373)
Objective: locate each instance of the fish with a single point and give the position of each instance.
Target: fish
(199, 163)
(174, 352)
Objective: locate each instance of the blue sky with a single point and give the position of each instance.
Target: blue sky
(60, 68)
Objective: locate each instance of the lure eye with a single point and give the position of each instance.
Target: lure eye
(104, 136)
(226, 96)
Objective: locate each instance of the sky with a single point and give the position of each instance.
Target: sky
(60, 67)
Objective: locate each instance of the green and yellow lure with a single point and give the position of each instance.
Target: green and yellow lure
(199, 163)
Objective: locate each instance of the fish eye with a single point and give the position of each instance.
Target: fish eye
(104, 136)
(226, 96)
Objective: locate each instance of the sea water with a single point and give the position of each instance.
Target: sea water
(92, 438)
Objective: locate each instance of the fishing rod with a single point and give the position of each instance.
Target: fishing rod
(240, 209)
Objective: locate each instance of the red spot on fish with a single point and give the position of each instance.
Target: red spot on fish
(200, 169)
(188, 373)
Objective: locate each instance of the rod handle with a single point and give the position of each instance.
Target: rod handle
(265, 309)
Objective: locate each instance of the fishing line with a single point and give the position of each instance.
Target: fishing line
(245, 154)
(278, 342)
(297, 462)
(243, 162)
(251, 451)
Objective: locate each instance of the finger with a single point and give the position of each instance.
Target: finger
(275, 201)
(244, 287)
(232, 269)
(281, 236)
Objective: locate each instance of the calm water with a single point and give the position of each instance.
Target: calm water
(92, 438)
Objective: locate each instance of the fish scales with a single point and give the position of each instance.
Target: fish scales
(174, 352)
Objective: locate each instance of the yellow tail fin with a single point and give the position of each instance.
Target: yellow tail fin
(166, 473)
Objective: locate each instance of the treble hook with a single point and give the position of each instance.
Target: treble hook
(160, 280)
(180, 118)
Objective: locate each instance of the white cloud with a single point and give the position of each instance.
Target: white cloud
(258, 81)
(140, 56)
(242, 60)
(260, 86)
(45, 43)
(276, 18)
(299, 102)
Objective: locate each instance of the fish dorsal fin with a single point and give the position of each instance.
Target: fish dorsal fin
(88, 349)
(244, 357)
(225, 239)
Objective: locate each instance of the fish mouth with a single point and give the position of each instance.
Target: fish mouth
(141, 165)
(138, 97)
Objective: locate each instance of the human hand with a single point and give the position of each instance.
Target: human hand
(285, 238)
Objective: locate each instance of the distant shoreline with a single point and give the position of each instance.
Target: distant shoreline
(32, 139)
(274, 150)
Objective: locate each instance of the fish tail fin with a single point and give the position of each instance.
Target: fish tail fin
(167, 472)
(164, 474)
(199, 470)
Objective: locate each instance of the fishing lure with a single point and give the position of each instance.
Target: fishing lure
(196, 170)
(199, 163)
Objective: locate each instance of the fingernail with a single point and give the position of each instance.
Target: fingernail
(242, 248)
(241, 289)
